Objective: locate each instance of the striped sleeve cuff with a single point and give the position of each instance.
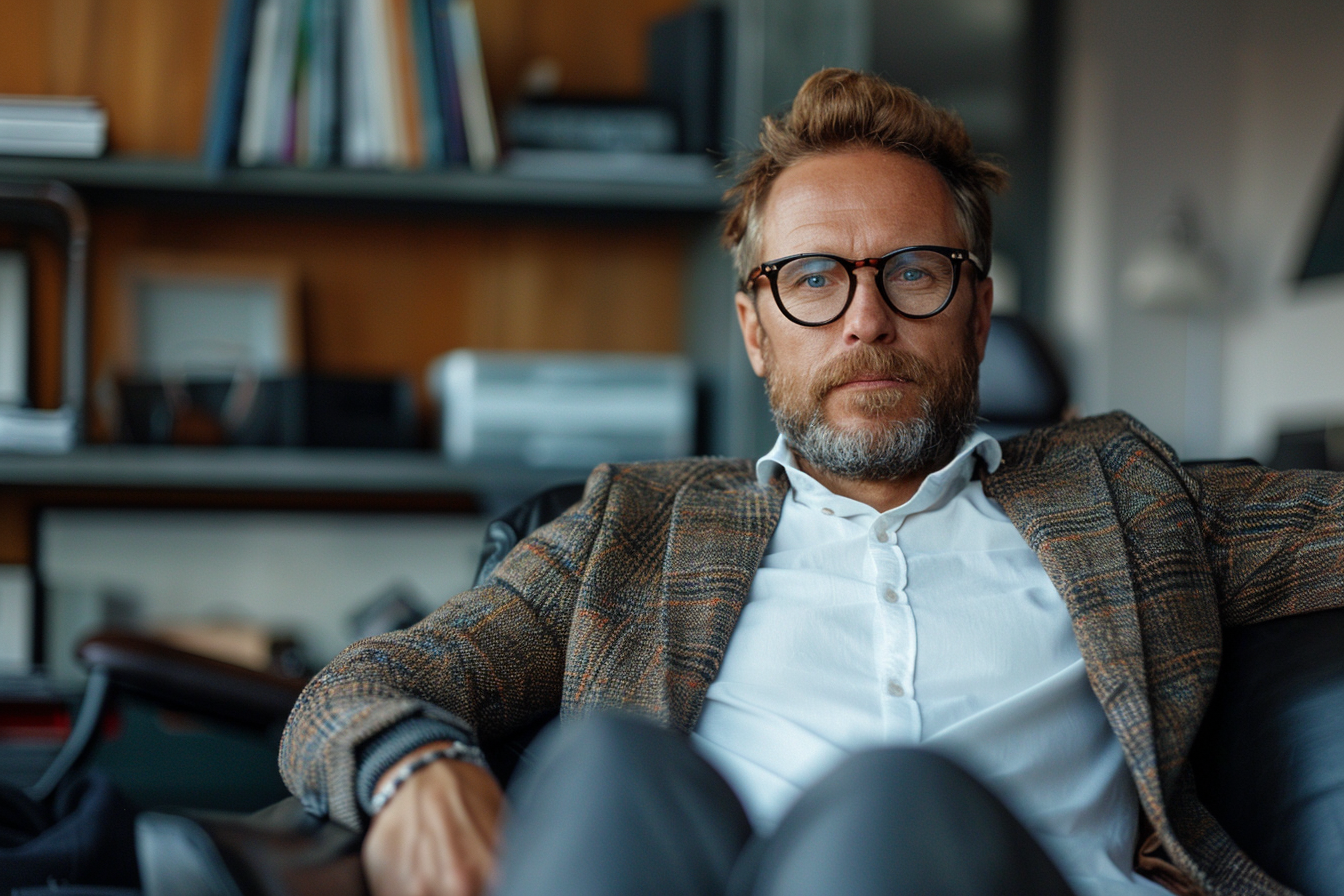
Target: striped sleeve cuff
(386, 749)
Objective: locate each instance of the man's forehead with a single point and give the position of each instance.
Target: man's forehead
(855, 198)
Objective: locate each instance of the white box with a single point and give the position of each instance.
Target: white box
(563, 409)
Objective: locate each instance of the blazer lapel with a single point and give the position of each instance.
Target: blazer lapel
(720, 528)
(1062, 505)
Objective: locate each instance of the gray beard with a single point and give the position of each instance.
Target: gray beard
(907, 447)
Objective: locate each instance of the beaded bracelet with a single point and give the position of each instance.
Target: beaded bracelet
(455, 750)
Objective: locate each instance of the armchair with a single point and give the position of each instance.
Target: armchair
(1269, 761)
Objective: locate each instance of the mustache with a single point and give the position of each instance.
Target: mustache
(870, 361)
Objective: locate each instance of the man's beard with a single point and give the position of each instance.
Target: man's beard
(946, 416)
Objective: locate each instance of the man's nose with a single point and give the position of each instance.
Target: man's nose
(869, 319)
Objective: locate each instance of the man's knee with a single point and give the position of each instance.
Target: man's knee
(902, 821)
(608, 744)
(899, 776)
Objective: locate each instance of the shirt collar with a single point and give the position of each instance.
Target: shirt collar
(946, 481)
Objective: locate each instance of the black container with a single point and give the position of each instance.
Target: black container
(304, 411)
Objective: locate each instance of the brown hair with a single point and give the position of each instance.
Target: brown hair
(839, 109)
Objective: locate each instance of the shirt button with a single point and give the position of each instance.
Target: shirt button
(828, 511)
(882, 537)
(894, 688)
(891, 595)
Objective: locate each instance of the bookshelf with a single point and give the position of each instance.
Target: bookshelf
(142, 179)
(396, 267)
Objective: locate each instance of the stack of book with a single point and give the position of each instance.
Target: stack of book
(52, 126)
(361, 83)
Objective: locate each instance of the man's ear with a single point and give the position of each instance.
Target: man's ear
(752, 336)
(980, 314)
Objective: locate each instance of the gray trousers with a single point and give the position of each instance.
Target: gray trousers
(618, 806)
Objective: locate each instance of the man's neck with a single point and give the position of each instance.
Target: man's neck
(880, 494)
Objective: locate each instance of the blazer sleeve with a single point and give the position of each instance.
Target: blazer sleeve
(488, 661)
(1275, 539)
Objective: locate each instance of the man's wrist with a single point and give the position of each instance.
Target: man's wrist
(393, 779)
(389, 748)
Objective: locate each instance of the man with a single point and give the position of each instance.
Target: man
(1045, 614)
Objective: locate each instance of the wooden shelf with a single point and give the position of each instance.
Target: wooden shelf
(670, 188)
(328, 471)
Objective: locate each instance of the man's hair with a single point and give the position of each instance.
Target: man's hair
(839, 110)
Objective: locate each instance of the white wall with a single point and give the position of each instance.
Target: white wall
(1238, 106)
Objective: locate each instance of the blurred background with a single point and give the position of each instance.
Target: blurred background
(355, 268)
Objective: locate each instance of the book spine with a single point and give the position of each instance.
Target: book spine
(422, 35)
(322, 82)
(404, 70)
(279, 128)
(299, 151)
(226, 97)
(355, 124)
(477, 116)
(450, 99)
(382, 88)
(252, 137)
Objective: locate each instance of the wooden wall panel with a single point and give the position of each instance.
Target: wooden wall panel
(16, 542)
(598, 44)
(150, 62)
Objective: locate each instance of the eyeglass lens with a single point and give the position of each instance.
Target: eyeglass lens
(815, 288)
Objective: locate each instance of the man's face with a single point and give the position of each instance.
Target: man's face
(872, 395)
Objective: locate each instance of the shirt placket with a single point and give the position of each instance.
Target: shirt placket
(895, 657)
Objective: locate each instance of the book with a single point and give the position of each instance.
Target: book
(299, 151)
(52, 126)
(280, 103)
(450, 96)
(661, 168)
(386, 108)
(426, 81)
(322, 86)
(370, 137)
(226, 97)
(404, 81)
(13, 327)
(478, 118)
(685, 72)
(261, 64)
(356, 122)
(36, 431)
(611, 125)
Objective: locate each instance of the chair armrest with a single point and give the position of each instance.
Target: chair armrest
(190, 682)
(279, 851)
(1269, 762)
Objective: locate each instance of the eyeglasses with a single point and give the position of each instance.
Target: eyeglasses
(813, 290)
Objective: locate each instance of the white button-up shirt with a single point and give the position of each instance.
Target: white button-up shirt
(934, 624)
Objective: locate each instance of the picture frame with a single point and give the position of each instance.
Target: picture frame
(200, 314)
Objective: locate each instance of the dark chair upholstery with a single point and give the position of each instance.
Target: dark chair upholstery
(1270, 757)
(1022, 385)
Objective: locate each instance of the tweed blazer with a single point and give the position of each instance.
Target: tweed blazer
(628, 601)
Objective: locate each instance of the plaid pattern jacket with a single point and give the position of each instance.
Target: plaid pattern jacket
(628, 601)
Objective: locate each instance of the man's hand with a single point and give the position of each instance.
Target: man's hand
(438, 834)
